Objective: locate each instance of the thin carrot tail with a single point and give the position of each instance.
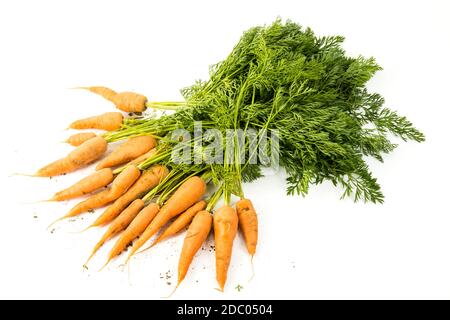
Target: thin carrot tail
(173, 291)
(154, 243)
(142, 251)
(22, 175)
(130, 255)
(37, 201)
(219, 289)
(129, 274)
(81, 231)
(85, 265)
(104, 266)
(253, 269)
(56, 221)
(94, 251)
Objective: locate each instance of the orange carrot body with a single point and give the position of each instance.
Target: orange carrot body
(196, 235)
(123, 182)
(108, 121)
(148, 180)
(95, 181)
(119, 186)
(182, 221)
(78, 138)
(102, 91)
(186, 195)
(130, 101)
(225, 229)
(83, 155)
(248, 223)
(125, 101)
(128, 151)
(119, 224)
(143, 157)
(134, 230)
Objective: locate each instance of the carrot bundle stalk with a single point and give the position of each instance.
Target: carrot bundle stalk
(196, 235)
(88, 152)
(125, 101)
(186, 195)
(182, 221)
(248, 223)
(148, 180)
(108, 121)
(79, 138)
(95, 181)
(128, 151)
(119, 224)
(134, 230)
(225, 229)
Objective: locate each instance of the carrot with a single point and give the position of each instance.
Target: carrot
(128, 151)
(196, 235)
(148, 180)
(143, 157)
(187, 194)
(78, 138)
(119, 224)
(133, 231)
(91, 183)
(225, 229)
(248, 223)
(119, 186)
(138, 160)
(124, 181)
(108, 121)
(102, 91)
(130, 101)
(125, 101)
(83, 155)
(182, 221)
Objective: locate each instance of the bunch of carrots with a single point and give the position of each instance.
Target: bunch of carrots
(280, 79)
(146, 193)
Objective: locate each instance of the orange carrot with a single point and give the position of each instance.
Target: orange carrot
(139, 159)
(148, 180)
(134, 230)
(187, 194)
(119, 186)
(119, 224)
(83, 155)
(196, 235)
(182, 221)
(108, 121)
(124, 181)
(78, 138)
(225, 229)
(102, 91)
(144, 157)
(91, 183)
(130, 101)
(125, 101)
(128, 151)
(248, 223)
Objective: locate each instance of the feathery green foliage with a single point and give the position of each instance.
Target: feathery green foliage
(285, 79)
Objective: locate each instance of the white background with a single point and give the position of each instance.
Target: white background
(313, 247)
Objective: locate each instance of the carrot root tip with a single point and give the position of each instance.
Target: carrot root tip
(173, 291)
(23, 174)
(104, 266)
(81, 231)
